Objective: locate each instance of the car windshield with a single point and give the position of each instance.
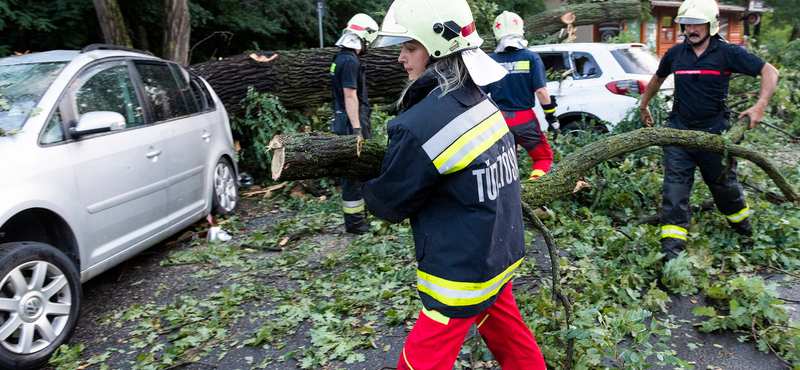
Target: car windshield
(637, 60)
(21, 87)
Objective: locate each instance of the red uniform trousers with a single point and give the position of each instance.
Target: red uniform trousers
(435, 340)
(527, 133)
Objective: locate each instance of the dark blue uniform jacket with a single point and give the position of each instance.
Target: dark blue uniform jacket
(348, 71)
(516, 91)
(701, 87)
(451, 168)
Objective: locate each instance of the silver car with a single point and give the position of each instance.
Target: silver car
(105, 152)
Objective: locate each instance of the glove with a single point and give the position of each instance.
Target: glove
(357, 131)
(550, 113)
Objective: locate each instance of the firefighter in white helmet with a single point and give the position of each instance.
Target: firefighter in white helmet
(351, 107)
(516, 93)
(450, 168)
(702, 65)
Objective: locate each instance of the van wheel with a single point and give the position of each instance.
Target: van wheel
(226, 189)
(40, 294)
(577, 128)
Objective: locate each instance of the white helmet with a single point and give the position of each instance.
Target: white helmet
(699, 12)
(360, 27)
(506, 24)
(443, 27)
(508, 31)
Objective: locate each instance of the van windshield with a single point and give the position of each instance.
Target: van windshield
(637, 60)
(21, 87)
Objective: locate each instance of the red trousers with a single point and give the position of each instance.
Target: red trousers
(435, 340)
(527, 133)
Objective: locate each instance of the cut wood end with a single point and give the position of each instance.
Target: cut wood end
(275, 143)
(580, 185)
(568, 18)
(263, 58)
(278, 158)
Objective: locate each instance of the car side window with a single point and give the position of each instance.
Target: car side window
(202, 94)
(54, 132)
(162, 90)
(107, 87)
(553, 64)
(183, 83)
(585, 66)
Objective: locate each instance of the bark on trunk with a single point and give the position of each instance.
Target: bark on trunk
(112, 23)
(325, 155)
(177, 29)
(305, 156)
(549, 22)
(301, 78)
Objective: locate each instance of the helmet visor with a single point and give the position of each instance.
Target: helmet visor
(388, 40)
(686, 20)
(391, 33)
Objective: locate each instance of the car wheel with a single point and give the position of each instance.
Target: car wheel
(577, 128)
(226, 189)
(40, 293)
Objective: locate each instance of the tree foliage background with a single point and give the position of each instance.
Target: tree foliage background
(220, 28)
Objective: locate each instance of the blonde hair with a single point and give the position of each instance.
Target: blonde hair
(451, 73)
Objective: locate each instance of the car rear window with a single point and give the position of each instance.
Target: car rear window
(637, 60)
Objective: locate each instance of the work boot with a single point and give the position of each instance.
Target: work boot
(355, 223)
(672, 247)
(746, 243)
(745, 229)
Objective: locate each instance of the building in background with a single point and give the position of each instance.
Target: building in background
(737, 22)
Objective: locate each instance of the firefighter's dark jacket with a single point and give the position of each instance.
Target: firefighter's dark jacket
(450, 167)
(701, 82)
(348, 71)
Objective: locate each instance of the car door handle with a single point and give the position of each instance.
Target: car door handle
(153, 153)
(206, 136)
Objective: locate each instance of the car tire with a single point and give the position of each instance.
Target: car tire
(225, 192)
(576, 128)
(40, 295)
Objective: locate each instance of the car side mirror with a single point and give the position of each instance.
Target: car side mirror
(97, 122)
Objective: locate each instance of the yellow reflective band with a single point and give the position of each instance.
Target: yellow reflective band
(482, 321)
(333, 67)
(523, 65)
(455, 293)
(350, 210)
(549, 110)
(537, 173)
(476, 133)
(739, 216)
(436, 316)
(406, 359)
(672, 231)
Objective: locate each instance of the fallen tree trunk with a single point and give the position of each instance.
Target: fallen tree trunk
(301, 78)
(314, 155)
(549, 22)
(305, 156)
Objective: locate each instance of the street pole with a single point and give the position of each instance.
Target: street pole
(320, 7)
